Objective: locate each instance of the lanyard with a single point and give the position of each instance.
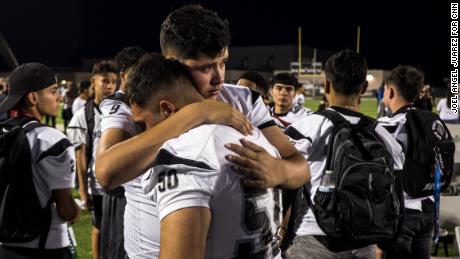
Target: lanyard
(437, 192)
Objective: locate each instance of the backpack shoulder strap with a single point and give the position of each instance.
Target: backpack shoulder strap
(332, 115)
(89, 117)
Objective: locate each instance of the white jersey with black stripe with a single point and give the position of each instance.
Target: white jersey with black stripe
(249, 103)
(311, 137)
(395, 124)
(76, 132)
(53, 167)
(191, 171)
(141, 223)
(284, 120)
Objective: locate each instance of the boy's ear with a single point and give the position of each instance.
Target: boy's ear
(167, 108)
(327, 87)
(32, 98)
(392, 92)
(365, 85)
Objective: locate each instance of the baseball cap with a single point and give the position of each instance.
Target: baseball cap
(26, 78)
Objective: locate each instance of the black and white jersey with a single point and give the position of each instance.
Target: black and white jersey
(249, 103)
(76, 131)
(311, 137)
(296, 113)
(53, 167)
(395, 124)
(116, 114)
(141, 223)
(191, 171)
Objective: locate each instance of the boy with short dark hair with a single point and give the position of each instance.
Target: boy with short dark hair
(401, 89)
(345, 82)
(84, 132)
(285, 111)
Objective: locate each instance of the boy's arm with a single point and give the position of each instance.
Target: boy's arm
(183, 233)
(82, 171)
(109, 138)
(127, 160)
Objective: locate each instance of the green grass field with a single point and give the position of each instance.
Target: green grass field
(368, 105)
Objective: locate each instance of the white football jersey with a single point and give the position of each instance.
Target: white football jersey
(295, 114)
(249, 103)
(395, 124)
(141, 229)
(191, 171)
(76, 132)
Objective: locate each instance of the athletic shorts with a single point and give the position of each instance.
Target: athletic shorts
(97, 211)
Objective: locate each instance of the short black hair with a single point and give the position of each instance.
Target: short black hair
(155, 77)
(408, 80)
(347, 70)
(192, 30)
(285, 79)
(84, 85)
(104, 67)
(129, 56)
(258, 79)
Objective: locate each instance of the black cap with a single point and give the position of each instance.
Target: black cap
(26, 78)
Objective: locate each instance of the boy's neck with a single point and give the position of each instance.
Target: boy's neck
(347, 102)
(398, 104)
(281, 109)
(33, 113)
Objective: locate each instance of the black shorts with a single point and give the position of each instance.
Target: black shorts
(97, 211)
(12, 252)
(113, 209)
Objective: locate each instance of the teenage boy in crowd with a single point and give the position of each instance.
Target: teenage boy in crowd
(401, 89)
(285, 112)
(345, 81)
(84, 132)
(33, 93)
(199, 38)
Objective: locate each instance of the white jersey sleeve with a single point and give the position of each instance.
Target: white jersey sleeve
(76, 131)
(116, 114)
(393, 147)
(249, 103)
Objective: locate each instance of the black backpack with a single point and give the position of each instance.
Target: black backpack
(366, 205)
(22, 219)
(427, 138)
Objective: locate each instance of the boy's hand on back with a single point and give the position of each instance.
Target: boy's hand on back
(222, 113)
(256, 164)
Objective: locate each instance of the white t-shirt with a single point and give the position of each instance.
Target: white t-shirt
(395, 124)
(312, 138)
(77, 104)
(444, 111)
(191, 171)
(77, 131)
(141, 223)
(53, 167)
(286, 119)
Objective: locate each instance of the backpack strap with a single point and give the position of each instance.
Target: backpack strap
(332, 115)
(89, 117)
(45, 232)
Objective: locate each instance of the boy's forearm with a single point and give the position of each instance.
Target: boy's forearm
(296, 170)
(134, 156)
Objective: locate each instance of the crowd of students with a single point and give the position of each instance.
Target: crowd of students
(175, 163)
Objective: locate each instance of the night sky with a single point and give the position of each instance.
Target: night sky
(60, 33)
